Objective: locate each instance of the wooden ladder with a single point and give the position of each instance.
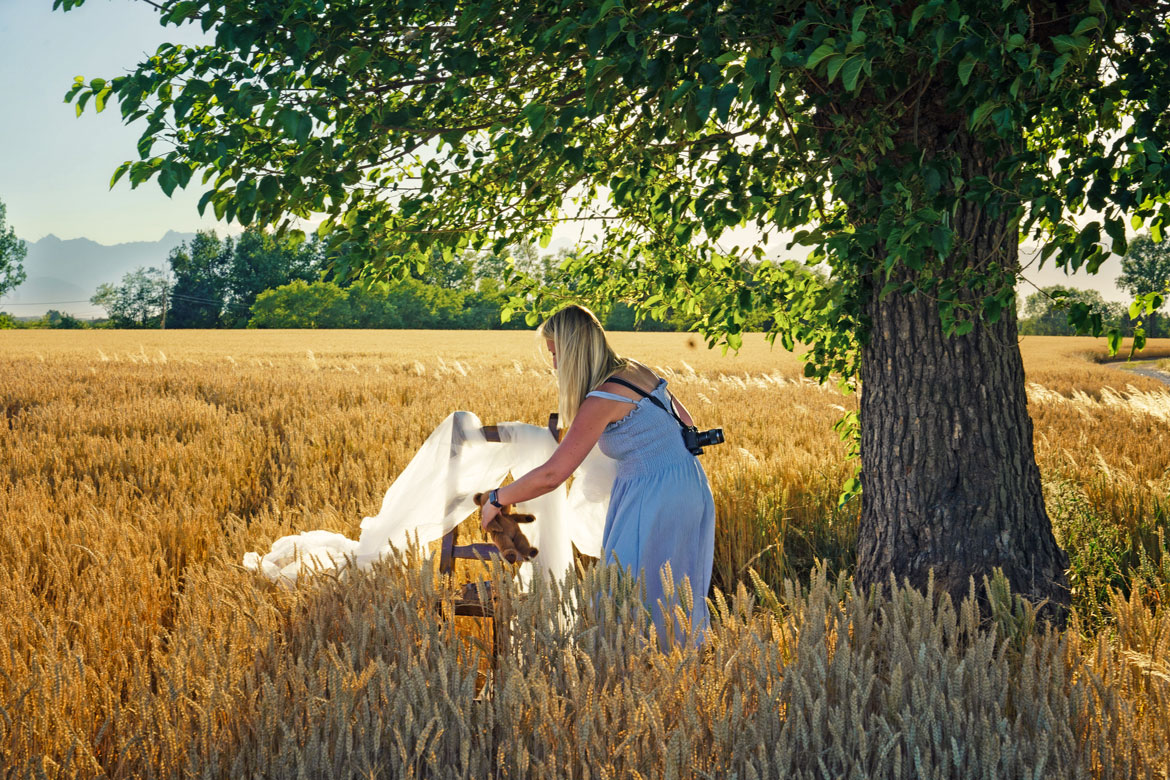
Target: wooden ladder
(471, 603)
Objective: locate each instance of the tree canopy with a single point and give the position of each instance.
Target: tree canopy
(1145, 272)
(12, 252)
(138, 302)
(426, 123)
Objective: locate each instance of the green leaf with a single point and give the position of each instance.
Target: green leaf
(535, 114)
(982, 113)
(851, 71)
(836, 62)
(1114, 337)
(1067, 43)
(849, 490)
(269, 188)
(304, 127)
(916, 16)
(1086, 24)
(859, 16)
(965, 67)
(822, 51)
(1058, 65)
(723, 101)
(119, 172)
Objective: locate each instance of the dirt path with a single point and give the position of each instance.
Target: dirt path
(1146, 368)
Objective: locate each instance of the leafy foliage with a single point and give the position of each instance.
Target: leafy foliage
(137, 302)
(1145, 272)
(408, 303)
(413, 125)
(1047, 311)
(200, 271)
(12, 252)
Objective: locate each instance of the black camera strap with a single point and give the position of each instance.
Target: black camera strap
(654, 400)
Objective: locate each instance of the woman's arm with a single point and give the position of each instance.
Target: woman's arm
(594, 414)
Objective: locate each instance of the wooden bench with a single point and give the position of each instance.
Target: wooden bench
(477, 599)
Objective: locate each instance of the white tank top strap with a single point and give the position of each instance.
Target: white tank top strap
(611, 396)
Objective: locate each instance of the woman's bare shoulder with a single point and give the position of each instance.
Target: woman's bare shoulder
(639, 375)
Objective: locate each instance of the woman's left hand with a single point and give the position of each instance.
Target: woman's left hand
(488, 513)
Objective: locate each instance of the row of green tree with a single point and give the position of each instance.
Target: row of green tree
(261, 280)
(1145, 268)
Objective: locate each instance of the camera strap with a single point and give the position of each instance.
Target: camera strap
(653, 400)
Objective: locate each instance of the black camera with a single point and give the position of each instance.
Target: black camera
(695, 440)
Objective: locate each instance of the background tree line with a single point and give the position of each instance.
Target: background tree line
(263, 281)
(1145, 269)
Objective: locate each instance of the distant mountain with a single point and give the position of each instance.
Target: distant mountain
(63, 274)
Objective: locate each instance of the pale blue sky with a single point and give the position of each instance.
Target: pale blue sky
(55, 168)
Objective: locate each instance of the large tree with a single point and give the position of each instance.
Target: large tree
(909, 146)
(138, 302)
(200, 270)
(263, 261)
(1145, 271)
(12, 253)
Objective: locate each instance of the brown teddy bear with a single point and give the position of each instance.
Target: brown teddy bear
(504, 531)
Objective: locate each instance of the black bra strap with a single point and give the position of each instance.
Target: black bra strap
(644, 394)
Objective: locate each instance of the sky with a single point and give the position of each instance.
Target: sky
(55, 167)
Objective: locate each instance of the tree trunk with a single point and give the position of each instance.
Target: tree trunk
(950, 482)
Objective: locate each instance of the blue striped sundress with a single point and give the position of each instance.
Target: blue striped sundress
(661, 509)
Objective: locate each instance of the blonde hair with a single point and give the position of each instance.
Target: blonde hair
(584, 357)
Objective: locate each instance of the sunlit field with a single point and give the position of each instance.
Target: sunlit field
(136, 469)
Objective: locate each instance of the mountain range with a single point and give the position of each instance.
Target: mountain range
(63, 274)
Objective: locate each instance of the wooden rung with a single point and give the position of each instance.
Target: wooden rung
(492, 432)
(474, 551)
(473, 609)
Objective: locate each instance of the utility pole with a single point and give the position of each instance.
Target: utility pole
(166, 300)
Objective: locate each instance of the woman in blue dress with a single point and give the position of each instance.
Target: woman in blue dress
(661, 510)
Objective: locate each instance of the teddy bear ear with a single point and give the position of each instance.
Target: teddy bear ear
(478, 499)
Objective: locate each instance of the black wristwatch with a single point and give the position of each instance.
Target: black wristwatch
(494, 498)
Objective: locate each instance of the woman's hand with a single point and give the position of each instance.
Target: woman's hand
(488, 512)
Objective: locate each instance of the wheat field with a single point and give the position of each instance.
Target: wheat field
(136, 468)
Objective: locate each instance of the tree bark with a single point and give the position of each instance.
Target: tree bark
(949, 475)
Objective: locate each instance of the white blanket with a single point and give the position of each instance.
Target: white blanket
(433, 494)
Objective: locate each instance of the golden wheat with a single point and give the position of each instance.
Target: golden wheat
(137, 467)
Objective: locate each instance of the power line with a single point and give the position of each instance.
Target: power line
(173, 295)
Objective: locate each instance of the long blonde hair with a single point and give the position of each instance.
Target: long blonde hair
(584, 357)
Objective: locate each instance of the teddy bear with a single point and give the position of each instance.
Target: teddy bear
(504, 531)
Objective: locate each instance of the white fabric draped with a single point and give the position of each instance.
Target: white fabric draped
(433, 494)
